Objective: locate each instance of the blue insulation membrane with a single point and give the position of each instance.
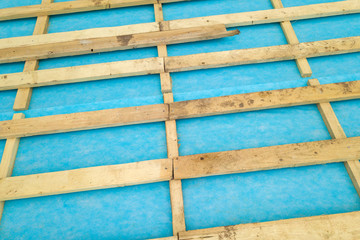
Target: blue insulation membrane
(144, 211)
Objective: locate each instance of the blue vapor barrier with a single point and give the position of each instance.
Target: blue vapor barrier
(144, 211)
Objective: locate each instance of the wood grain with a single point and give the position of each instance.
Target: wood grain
(275, 157)
(85, 179)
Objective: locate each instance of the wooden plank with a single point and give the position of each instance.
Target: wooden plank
(83, 121)
(25, 51)
(175, 186)
(265, 100)
(272, 15)
(81, 73)
(85, 179)
(343, 226)
(8, 158)
(275, 157)
(337, 132)
(23, 95)
(71, 7)
(302, 63)
(230, 20)
(180, 63)
(166, 238)
(261, 55)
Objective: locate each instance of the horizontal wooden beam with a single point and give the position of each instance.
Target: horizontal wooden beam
(230, 20)
(85, 179)
(114, 43)
(335, 226)
(265, 100)
(264, 54)
(83, 121)
(272, 15)
(179, 110)
(81, 73)
(257, 159)
(71, 7)
(179, 63)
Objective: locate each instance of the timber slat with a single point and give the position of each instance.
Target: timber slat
(343, 226)
(85, 179)
(264, 54)
(179, 110)
(71, 7)
(275, 157)
(83, 121)
(26, 51)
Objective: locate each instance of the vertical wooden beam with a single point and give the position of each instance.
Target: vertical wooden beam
(8, 158)
(302, 63)
(336, 131)
(23, 95)
(176, 196)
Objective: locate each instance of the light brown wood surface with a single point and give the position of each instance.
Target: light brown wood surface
(23, 95)
(85, 179)
(71, 7)
(344, 226)
(27, 51)
(336, 131)
(83, 120)
(257, 159)
(264, 54)
(302, 63)
(81, 73)
(265, 100)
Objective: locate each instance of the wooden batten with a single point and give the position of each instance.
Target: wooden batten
(27, 51)
(83, 121)
(261, 55)
(275, 157)
(337, 226)
(85, 179)
(265, 100)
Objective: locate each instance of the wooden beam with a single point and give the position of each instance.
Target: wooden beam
(81, 73)
(175, 186)
(230, 20)
(275, 157)
(71, 7)
(261, 55)
(179, 63)
(85, 179)
(26, 51)
(272, 15)
(265, 100)
(8, 158)
(302, 63)
(23, 95)
(343, 226)
(179, 110)
(83, 121)
(337, 132)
